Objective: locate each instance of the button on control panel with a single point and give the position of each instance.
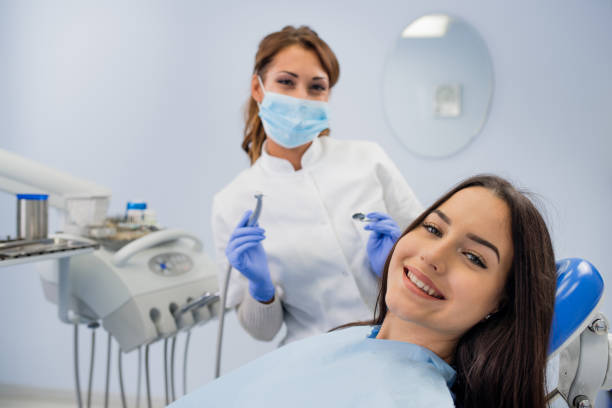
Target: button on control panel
(170, 264)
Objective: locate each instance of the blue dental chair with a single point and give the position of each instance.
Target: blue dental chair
(580, 350)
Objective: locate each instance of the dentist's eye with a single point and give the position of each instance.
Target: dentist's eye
(285, 81)
(318, 88)
(432, 229)
(476, 260)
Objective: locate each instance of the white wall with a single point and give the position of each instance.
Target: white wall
(146, 98)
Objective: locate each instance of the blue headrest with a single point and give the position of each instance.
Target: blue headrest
(579, 290)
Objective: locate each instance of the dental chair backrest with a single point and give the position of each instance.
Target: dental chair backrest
(579, 361)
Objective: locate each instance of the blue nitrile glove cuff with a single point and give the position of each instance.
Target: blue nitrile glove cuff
(263, 292)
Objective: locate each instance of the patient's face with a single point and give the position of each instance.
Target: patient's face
(449, 273)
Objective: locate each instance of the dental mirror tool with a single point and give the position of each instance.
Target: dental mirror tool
(361, 217)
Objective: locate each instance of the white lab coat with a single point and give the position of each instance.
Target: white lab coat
(316, 251)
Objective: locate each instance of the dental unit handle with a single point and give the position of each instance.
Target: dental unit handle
(203, 300)
(150, 240)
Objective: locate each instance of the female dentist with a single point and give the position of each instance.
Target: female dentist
(314, 267)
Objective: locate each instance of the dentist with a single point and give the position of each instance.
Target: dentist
(307, 262)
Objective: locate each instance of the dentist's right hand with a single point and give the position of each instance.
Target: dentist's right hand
(246, 254)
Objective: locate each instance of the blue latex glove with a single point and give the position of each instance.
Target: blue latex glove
(385, 232)
(246, 254)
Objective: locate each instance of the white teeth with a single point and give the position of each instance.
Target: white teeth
(421, 285)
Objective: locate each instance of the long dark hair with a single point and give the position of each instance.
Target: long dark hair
(501, 361)
(272, 44)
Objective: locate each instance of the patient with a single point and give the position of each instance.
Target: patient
(463, 317)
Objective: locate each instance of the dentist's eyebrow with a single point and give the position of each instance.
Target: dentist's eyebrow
(484, 242)
(290, 73)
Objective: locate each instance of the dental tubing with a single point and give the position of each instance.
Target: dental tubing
(252, 221)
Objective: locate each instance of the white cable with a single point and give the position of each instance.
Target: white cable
(252, 221)
(172, 349)
(76, 365)
(148, 382)
(92, 326)
(108, 361)
(138, 381)
(123, 402)
(166, 370)
(221, 322)
(185, 362)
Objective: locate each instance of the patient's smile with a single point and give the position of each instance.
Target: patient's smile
(424, 287)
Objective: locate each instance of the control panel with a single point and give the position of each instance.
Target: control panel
(170, 264)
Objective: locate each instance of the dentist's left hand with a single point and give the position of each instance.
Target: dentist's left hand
(385, 232)
(246, 254)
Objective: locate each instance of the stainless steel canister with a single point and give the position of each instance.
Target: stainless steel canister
(32, 216)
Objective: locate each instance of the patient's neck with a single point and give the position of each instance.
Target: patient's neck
(394, 328)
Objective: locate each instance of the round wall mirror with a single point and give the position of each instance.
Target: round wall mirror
(437, 86)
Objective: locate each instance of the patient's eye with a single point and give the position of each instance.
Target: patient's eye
(475, 259)
(432, 229)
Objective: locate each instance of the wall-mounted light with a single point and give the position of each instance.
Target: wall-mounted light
(430, 26)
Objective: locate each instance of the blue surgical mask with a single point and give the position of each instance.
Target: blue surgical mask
(290, 121)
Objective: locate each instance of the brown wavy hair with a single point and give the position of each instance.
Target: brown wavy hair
(272, 44)
(501, 361)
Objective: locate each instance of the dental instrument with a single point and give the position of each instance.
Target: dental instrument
(361, 217)
(252, 221)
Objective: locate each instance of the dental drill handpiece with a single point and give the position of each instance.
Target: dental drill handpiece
(252, 221)
(255, 216)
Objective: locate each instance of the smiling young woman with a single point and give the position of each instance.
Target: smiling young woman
(449, 273)
(473, 279)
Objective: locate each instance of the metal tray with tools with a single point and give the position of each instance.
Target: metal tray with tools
(13, 249)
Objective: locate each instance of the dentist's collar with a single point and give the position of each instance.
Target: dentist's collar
(278, 165)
